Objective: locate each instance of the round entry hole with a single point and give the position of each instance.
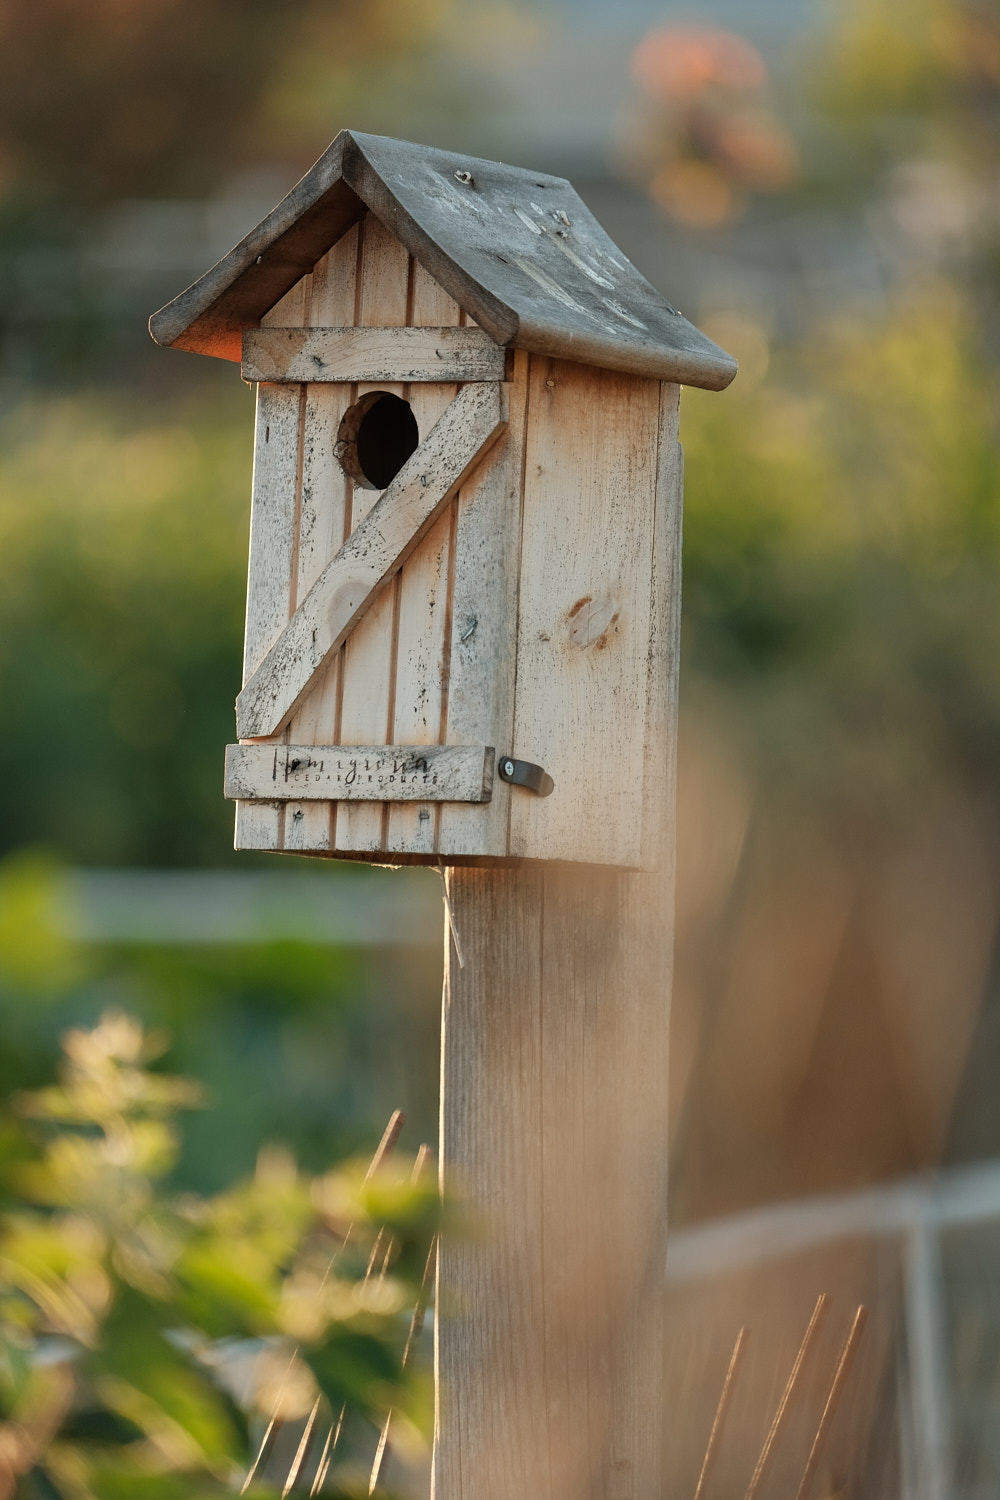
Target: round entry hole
(376, 437)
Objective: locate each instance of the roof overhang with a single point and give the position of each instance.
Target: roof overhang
(518, 250)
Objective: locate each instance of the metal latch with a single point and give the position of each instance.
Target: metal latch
(523, 773)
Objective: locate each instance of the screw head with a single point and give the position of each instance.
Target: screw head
(508, 768)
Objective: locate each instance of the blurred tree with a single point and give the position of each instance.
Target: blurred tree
(108, 99)
(122, 550)
(906, 98)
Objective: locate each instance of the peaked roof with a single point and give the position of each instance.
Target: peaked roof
(518, 250)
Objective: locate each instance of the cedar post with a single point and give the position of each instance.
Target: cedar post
(549, 1334)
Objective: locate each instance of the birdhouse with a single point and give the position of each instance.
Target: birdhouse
(461, 627)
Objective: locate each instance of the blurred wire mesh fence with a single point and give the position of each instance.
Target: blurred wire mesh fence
(918, 1419)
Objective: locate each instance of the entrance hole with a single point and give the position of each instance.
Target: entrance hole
(377, 435)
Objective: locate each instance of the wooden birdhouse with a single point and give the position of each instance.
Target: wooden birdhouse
(463, 583)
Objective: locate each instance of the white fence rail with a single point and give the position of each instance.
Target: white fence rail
(401, 909)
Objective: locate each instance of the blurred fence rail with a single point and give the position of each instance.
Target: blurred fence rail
(214, 906)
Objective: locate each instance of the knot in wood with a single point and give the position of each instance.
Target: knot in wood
(590, 620)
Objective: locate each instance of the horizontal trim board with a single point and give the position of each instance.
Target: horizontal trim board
(371, 354)
(359, 773)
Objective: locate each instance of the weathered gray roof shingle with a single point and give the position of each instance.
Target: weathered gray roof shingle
(518, 250)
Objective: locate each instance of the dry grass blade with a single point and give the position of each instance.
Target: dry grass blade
(423, 1161)
(844, 1362)
(451, 917)
(326, 1457)
(302, 1452)
(389, 1138)
(377, 1256)
(271, 1431)
(777, 1422)
(720, 1412)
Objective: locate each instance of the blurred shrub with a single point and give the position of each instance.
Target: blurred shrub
(842, 554)
(122, 581)
(38, 957)
(115, 1295)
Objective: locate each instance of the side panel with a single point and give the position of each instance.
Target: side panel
(483, 655)
(420, 700)
(273, 510)
(323, 522)
(585, 611)
(370, 654)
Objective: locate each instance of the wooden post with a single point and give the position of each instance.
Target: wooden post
(549, 1335)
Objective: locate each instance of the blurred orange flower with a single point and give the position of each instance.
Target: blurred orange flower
(678, 62)
(708, 137)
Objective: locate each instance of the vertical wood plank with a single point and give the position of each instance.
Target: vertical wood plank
(553, 1123)
(323, 516)
(289, 312)
(419, 698)
(264, 827)
(663, 656)
(369, 655)
(483, 653)
(269, 573)
(583, 631)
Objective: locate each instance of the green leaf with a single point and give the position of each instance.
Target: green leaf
(356, 1369)
(143, 1374)
(226, 1291)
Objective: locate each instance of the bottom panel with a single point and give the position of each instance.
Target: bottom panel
(274, 785)
(276, 772)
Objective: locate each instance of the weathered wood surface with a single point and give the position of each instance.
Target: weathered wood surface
(576, 603)
(383, 301)
(410, 672)
(372, 554)
(323, 523)
(279, 772)
(372, 354)
(518, 250)
(583, 646)
(549, 1336)
(549, 1333)
(663, 657)
(483, 653)
(553, 1124)
(423, 618)
(272, 545)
